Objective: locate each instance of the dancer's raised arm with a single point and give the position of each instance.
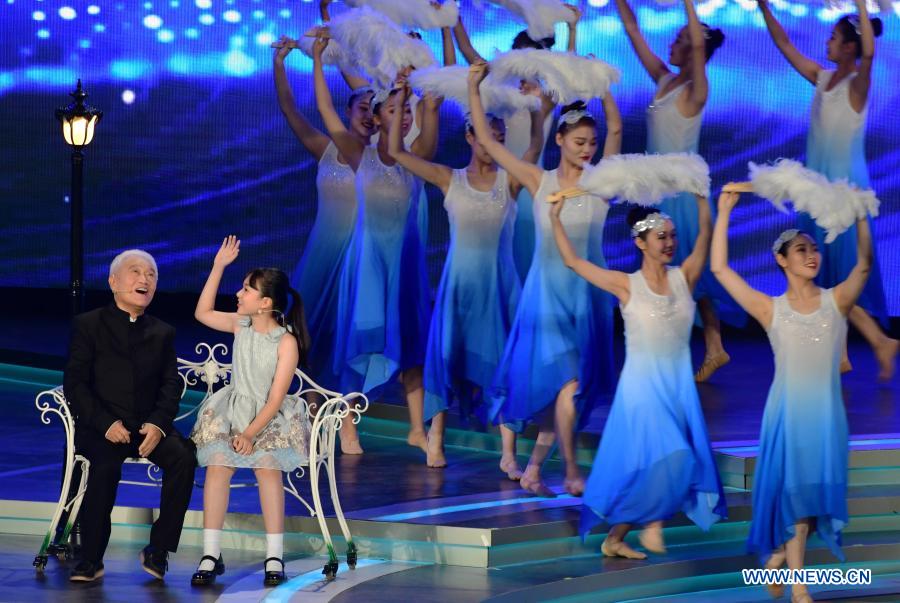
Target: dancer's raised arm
(425, 144)
(859, 87)
(348, 145)
(612, 144)
(573, 34)
(755, 303)
(848, 291)
(654, 65)
(612, 281)
(803, 64)
(465, 44)
(315, 141)
(436, 174)
(529, 175)
(699, 88)
(693, 265)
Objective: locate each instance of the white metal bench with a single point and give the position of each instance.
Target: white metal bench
(212, 372)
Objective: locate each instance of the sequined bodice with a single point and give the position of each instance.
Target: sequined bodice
(658, 324)
(668, 131)
(336, 188)
(806, 344)
(582, 216)
(384, 194)
(477, 217)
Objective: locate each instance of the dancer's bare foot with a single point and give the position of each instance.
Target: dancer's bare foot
(620, 549)
(886, 353)
(434, 453)
(776, 560)
(351, 446)
(799, 594)
(574, 485)
(418, 439)
(510, 467)
(536, 486)
(846, 367)
(710, 365)
(651, 538)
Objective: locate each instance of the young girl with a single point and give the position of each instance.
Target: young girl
(674, 118)
(317, 274)
(835, 147)
(251, 422)
(559, 352)
(382, 316)
(800, 482)
(479, 289)
(654, 457)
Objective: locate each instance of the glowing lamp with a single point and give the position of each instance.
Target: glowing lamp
(78, 120)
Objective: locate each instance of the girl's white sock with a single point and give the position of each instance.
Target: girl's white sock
(212, 546)
(274, 548)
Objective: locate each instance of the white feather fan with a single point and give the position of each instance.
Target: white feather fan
(452, 83)
(540, 16)
(647, 179)
(565, 76)
(421, 14)
(834, 206)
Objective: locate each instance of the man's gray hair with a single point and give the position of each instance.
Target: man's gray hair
(120, 259)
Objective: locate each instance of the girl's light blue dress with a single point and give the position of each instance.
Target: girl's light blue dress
(282, 444)
(317, 276)
(477, 295)
(668, 131)
(835, 147)
(654, 458)
(383, 313)
(563, 327)
(801, 470)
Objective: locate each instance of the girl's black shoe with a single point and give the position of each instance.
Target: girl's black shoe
(208, 577)
(274, 578)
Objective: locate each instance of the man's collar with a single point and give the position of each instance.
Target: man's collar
(121, 314)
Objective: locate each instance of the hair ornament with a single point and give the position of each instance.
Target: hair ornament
(654, 221)
(783, 238)
(574, 116)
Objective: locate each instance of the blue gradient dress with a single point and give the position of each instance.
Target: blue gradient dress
(317, 275)
(835, 147)
(382, 319)
(654, 458)
(803, 445)
(563, 327)
(477, 295)
(518, 139)
(668, 131)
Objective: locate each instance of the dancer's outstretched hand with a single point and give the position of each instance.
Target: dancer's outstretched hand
(228, 252)
(556, 208)
(576, 11)
(728, 199)
(321, 43)
(477, 72)
(283, 47)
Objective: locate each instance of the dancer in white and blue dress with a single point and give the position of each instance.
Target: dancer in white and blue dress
(557, 364)
(654, 458)
(252, 422)
(479, 288)
(317, 274)
(383, 306)
(518, 132)
(835, 147)
(674, 118)
(800, 483)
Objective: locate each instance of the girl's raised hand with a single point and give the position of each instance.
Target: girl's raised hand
(477, 72)
(228, 252)
(728, 199)
(556, 208)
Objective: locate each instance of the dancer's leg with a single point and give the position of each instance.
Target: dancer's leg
(565, 431)
(508, 463)
(885, 348)
(415, 401)
(615, 545)
(715, 357)
(435, 447)
(652, 538)
(531, 477)
(795, 549)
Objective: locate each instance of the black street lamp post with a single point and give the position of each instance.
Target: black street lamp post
(78, 121)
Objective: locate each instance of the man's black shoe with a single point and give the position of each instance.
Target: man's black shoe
(86, 571)
(154, 561)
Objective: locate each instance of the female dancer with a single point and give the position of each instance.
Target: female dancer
(382, 318)
(316, 276)
(800, 482)
(673, 126)
(479, 288)
(835, 147)
(559, 352)
(251, 422)
(654, 457)
(518, 134)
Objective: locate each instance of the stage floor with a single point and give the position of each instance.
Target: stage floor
(464, 533)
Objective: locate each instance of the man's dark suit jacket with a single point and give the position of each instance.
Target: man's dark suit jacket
(122, 370)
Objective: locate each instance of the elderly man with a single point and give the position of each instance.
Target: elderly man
(122, 383)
